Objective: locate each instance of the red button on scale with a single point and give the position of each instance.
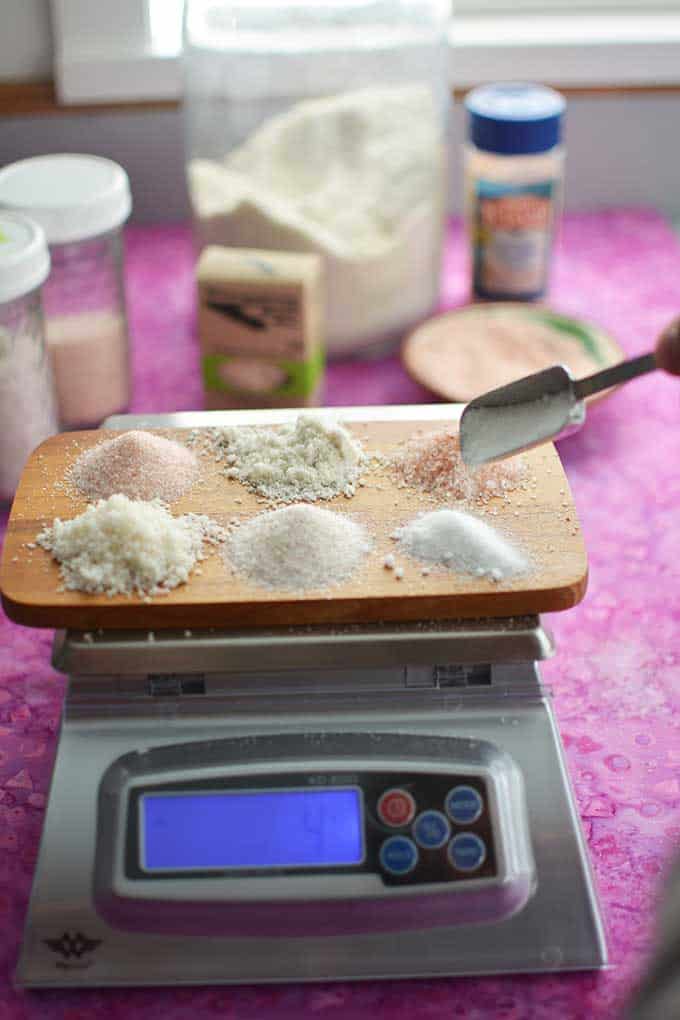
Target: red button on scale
(396, 808)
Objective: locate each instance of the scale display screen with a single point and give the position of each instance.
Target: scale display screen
(251, 829)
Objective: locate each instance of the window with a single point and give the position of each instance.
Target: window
(129, 50)
(476, 7)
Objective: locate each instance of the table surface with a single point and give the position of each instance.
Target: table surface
(615, 679)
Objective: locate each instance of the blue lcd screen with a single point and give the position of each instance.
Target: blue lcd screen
(242, 829)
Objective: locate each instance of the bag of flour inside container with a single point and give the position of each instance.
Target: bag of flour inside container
(322, 127)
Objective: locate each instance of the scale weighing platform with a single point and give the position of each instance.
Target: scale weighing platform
(378, 800)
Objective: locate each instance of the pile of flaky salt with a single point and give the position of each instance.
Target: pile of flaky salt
(302, 461)
(119, 546)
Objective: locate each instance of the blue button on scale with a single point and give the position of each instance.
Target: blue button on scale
(398, 855)
(464, 805)
(467, 852)
(431, 830)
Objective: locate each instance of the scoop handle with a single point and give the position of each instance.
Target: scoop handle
(614, 376)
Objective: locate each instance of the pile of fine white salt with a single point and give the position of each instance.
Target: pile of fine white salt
(118, 547)
(461, 542)
(298, 547)
(308, 459)
(138, 464)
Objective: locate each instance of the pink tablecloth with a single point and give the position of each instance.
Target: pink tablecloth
(616, 677)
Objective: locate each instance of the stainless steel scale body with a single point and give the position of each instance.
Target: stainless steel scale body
(327, 709)
(331, 701)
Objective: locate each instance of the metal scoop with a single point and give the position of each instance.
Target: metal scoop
(535, 409)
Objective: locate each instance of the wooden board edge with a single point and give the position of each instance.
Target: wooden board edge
(295, 613)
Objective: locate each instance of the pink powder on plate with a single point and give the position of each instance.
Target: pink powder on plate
(433, 463)
(138, 464)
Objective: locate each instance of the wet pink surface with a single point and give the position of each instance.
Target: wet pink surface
(616, 677)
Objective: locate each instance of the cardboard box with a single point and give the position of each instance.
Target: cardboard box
(260, 327)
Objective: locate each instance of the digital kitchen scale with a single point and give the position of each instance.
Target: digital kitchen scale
(379, 800)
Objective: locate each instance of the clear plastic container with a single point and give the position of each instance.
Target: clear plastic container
(322, 127)
(27, 405)
(514, 167)
(81, 202)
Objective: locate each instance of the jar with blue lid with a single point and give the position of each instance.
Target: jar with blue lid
(514, 169)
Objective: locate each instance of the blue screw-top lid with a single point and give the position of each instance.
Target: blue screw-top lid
(515, 117)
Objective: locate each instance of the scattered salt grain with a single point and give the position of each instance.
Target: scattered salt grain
(388, 562)
(138, 464)
(298, 547)
(461, 542)
(305, 460)
(399, 573)
(119, 546)
(433, 463)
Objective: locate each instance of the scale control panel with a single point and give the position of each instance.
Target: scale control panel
(407, 828)
(439, 837)
(348, 839)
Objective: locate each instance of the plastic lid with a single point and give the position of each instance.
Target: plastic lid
(514, 117)
(24, 258)
(72, 197)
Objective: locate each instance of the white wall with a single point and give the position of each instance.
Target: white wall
(148, 144)
(25, 39)
(620, 151)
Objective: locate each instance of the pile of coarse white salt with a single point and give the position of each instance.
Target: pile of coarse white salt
(305, 460)
(137, 464)
(298, 547)
(120, 546)
(460, 541)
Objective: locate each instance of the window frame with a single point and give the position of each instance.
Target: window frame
(475, 8)
(96, 61)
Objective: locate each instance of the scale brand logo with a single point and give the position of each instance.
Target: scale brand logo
(72, 946)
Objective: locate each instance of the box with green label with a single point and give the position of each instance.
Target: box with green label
(260, 325)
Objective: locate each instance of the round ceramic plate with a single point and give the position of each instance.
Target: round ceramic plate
(466, 352)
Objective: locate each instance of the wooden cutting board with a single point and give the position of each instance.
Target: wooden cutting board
(540, 517)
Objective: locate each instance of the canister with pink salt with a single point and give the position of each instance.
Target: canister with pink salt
(81, 202)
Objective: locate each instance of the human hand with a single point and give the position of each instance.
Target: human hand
(667, 351)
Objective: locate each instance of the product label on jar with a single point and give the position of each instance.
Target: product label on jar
(512, 231)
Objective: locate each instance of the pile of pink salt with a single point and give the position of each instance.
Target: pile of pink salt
(140, 465)
(433, 464)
